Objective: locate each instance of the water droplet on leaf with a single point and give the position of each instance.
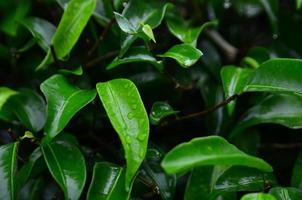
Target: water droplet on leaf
(130, 115)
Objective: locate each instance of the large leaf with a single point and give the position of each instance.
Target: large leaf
(5, 94)
(41, 30)
(30, 109)
(135, 54)
(233, 80)
(185, 54)
(296, 180)
(258, 196)
(8, 166)
(185, 33)
(63, 101)
(108, 183)
(281, 109)
(286, 193)
(277, 75)
(128, 116)
(212, 150)
(67, 166)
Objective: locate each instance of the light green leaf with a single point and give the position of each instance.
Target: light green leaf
(296, 180)
(124, 24)
(41, 30)
(298, 4)
(77, 71)
(8, 167)
(5, 94)
(212, 150)
(159, 111)
(135, 54)
(64, 100)
(258, 196)
(67, 166)
(128, 116)
(281, 109)
(148, 31)
(185, 54)
(108, 183)
(233, 80)
(286, 193)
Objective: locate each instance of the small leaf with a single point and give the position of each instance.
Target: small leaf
(233, 80)
(63, 102)
(278, 109)
(67, 166)
(148, 31)
(135, 54)
(286, 193)
(258, 196)
(124, 24)
(184, 54)
(8, 167)
(212, 150)
(108, 183)
(41, 30)
(296, 180)
(159, 111)
(5, 94)
(128, 116)
(77, 71)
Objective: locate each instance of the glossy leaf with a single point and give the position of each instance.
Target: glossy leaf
(5, 94)
(233, 80)
(296, 180)
(108, 183)
(185, 33)
(136, 54)
(124, 24)
(128, 116)
(41, 30)
(67, 166)
(258, 196)
(159, 111)
(286, 193)
(148, 32)
(63, 102)
(30, 109)
(281, 109)
(212, 150)
(77, 71)
(184, 54)
(277, 75)
(8, 166)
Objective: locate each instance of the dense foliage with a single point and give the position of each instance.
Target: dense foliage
(151, 99)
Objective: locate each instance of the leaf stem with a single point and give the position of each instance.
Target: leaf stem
(54, 55)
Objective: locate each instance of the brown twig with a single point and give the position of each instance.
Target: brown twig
(281, 146)
(177, 84)
(102, 58)
(102, 36)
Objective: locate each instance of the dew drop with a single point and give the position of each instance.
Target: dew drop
(227, 4)
(134, 106)
(275, 36)
(141, 137)
(130, 115)
(141, 153)
(128, 139)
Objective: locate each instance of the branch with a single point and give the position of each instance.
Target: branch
(102, 58)
(177, 84)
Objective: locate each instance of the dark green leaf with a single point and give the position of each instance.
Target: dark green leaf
(286, 193)
(258, 196)
(296, 180)
(271, 9)
(185, 54)
(8, 166)
(212, 150)
(67, 166)
(128, 116)
(63, 102)
(159, 111)
(108, 183)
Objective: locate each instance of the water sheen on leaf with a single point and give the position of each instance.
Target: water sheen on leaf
(288, 193)
(159, 111)
(258, 196)
(128, 116)
(211, 150)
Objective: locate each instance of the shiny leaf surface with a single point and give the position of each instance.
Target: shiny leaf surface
(159, 111)
(5, 94)
(258, 196)
(286, 193)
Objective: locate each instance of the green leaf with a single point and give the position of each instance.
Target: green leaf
(124, 24)
(67, 166)
(159, 111)
(41, 30)
(258, 196)
(128, 116)
(8, 166)
(187, 34)
(77, 71)
(63, 101)
(277, 75)
(296, 180)
(108, 183)
(271, 9)
(298, 4)
(212, 150)
(184, 54)
(148, 31)
(233, 80)
(30, 109)
(72, 24)
(286, 193)
(5, 94)
(281, 109)
(135, 54)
